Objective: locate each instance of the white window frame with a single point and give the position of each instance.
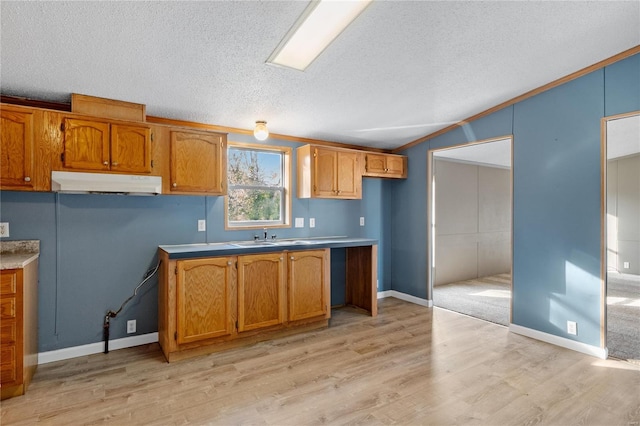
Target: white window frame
(285, 221)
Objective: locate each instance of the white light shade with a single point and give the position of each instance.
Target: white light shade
(261, 132)
(320, 23)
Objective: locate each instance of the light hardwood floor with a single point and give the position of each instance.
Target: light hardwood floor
(409, 365)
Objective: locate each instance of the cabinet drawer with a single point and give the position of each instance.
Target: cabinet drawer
(8, 307)
(8, 331)
(8, 364)
(8, 282)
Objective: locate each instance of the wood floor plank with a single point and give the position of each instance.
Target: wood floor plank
(409, 365)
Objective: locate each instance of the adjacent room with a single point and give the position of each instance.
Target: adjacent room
(471, 225)
(623, 237)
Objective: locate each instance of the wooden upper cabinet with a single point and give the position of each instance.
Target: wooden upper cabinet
(86, 144)
(130, 148)
(16, 149)
(100, 146)
(329, 173)
(385, 165)
(308, 284)
(198, 162)
(261, 291)
(205, 295)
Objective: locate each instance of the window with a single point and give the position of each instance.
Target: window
(258, 185)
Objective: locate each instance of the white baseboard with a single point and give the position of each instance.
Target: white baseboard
(595, 351)
(405, 297)
(96, 348)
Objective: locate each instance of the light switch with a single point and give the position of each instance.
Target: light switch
(299, 222)
(312, 222)
(202, 225)
(361, 221)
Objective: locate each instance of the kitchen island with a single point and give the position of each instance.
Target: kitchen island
(214, 296)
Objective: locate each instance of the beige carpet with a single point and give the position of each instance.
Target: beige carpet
(623, 316)
(487, 298)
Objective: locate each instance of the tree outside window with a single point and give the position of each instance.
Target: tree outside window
(257, 185)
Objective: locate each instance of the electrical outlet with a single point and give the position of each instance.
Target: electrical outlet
(361, 221)
(299, 222)
(4, 229)
(572, 328)
(312, 222)
(202, 225)
(625, 265)
(131, 326)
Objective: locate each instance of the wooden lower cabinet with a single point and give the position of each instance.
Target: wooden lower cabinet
(261, 291)
(210, 304)
(307, 289)
(204, 299)
(18, 328)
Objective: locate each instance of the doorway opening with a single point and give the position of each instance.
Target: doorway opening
(622, 240)
(470, 238)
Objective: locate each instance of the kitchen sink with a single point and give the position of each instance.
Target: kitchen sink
(262, 243)
(254, 243)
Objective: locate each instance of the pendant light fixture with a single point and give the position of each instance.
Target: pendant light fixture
(261, 132)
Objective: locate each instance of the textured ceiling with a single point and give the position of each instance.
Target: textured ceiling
(402, 70)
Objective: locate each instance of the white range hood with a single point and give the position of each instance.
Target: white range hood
(77, 182)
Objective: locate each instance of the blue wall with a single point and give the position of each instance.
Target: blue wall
(96, 248)
(556, 265)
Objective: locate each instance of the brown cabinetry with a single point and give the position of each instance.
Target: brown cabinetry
(385, 165)
(329, 173)
(209, 304)
(308, 284)
(16, 149)
(261, 291)
(94, 145)
(18, 328)
(205, 299)
(198, 162)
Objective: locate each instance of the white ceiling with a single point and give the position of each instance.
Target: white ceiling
(623, 137)
(402, 70)
(492, 154)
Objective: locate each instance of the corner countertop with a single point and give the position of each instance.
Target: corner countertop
(18, 254)
(234, 248)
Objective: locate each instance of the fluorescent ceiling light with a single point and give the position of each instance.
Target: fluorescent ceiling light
(320, 23)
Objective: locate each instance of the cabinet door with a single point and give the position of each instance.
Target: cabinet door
(395, 166)
(261, 291)
(308, 284)
(86, 144)
(349, 178)
(130, 149)
(375, 163)
(324, 172)
(197, 162)
(204, 295)
(16, 149)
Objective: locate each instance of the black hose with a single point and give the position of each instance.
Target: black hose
(105, 333)
(110, 314)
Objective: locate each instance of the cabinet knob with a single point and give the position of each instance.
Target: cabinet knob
(105, 163)
(292, 258)
(115, 164)
(229, 263)
(175, 184)
(27, 179)
(282, 258)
